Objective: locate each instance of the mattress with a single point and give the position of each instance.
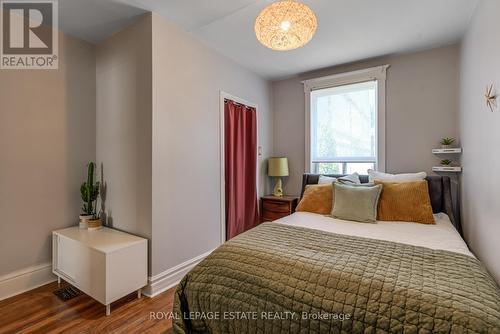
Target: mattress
(442, 235)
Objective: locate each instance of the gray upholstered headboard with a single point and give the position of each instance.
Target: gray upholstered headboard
(439, 192)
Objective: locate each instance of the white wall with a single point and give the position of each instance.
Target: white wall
(480, 135)
(187, 78)
(421, 108)
(124, 111)
(47, 136)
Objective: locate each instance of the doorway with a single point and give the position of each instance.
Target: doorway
(239, 161)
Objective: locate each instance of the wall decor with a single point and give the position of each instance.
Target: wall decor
(491, 98)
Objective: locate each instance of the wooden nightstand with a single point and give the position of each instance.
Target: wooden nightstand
(273, 208)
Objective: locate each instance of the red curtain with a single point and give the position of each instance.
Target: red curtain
(240, 152)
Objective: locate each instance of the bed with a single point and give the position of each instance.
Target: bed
(307, 273)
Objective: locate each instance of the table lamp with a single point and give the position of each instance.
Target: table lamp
(277, 167)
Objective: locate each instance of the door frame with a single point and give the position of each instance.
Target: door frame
(222, 96)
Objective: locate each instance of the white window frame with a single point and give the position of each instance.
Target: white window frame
(378, 74)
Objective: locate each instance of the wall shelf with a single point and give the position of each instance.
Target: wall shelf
(449, 169)
(447, 150)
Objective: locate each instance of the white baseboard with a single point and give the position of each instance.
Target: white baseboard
(33, 277)
(25, 279)
(171, 277)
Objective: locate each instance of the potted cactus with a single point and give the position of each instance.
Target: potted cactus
(446, 162)
(90, 192)
(446, 142)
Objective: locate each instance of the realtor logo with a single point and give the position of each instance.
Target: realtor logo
(29, 34)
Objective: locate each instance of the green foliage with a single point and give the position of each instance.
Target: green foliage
(329, 168)
(446, 162)
(447, 141)
(89, 192)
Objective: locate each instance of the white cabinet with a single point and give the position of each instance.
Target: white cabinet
(105, 264)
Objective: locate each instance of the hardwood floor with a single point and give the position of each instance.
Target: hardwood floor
(40, 311)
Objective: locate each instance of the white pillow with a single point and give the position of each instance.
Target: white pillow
(408, 177)
(326, 179)
(354, 178)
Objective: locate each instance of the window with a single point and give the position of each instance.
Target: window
(345, 122)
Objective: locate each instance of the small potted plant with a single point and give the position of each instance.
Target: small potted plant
(446, 142)
(446, 162)
(90, 192)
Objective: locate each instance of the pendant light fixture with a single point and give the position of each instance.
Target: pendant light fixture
(285, 25)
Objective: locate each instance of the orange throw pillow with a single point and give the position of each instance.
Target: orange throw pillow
(317, 198)
(407, 201)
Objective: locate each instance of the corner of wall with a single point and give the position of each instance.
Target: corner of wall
(480, 51)
(124, 126)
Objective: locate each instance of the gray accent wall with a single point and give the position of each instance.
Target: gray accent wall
(47, 137)
(124, 123)
(421, 107)
(158, 136)
(480, 135)
(187, 79)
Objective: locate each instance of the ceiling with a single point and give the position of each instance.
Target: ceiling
(348, 30)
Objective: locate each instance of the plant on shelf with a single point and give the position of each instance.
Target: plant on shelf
(90, 192)
(446, 142)
(446, 162)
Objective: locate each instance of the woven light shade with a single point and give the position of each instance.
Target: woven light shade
(285, 25)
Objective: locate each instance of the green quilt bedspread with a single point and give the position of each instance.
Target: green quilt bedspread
(284, 279)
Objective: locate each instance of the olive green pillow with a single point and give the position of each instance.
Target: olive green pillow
(356, 203)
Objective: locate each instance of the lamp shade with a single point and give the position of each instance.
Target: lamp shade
(285, 25)
(277, 167)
